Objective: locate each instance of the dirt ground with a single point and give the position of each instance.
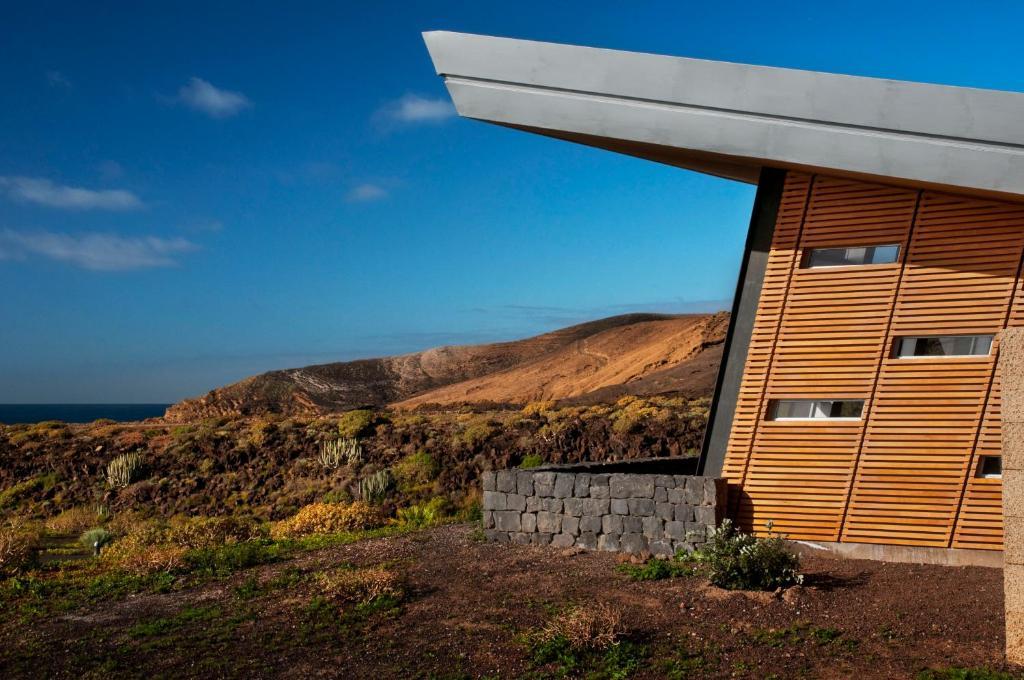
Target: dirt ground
(471, 603)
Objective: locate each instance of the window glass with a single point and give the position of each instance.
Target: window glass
(991, 467)
(944, 346)
(844, 257)
(806, 409)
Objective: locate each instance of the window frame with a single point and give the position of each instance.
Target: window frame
(898, 344)
(805, 258)
(773, 407)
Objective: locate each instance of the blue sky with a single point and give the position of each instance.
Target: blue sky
(193, 194)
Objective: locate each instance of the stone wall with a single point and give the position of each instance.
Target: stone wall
(631, 513)
(1011, 365)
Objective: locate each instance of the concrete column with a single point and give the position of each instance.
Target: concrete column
(1011, 364)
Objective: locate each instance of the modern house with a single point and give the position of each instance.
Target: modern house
(859, 401)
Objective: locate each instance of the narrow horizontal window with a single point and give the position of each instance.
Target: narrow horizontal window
(944, 346)
(814, 409)
(990, 467)
(846, 257)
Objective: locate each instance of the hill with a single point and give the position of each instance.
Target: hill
(627, 354)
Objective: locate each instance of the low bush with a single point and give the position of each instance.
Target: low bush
(96, 539)
(587, 642)
(211, 532)
(964, 674)
(19, 541)
(656, 569)
(415, 473)
(597, 626)
(75, 520)
(135, 556)
(423, 515)
(361, 586)
(356, 424)
(531, 460)
(740, 561)
(328, 518)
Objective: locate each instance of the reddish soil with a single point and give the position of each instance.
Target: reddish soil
(471, 601)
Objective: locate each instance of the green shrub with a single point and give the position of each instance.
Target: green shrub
(356, 424)
(415, 472)
(656, 569)
(477, 433)
(531, 460)
(422, 516)
(739, 561)
(96, 539)
(375, 487)
(338, 452)
(125, 469)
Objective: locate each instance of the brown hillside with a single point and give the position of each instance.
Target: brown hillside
(340, 386)
(674, 354)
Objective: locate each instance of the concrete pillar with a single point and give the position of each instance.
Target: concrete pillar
(1011, 364)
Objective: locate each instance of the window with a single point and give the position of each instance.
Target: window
(944, 346)
(990, 467)
(812, 409)
(845, 257)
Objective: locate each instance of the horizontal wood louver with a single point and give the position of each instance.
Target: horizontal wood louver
(980, 520)
(829, 342)
(906, 472)
(959, 276)
(779, 268)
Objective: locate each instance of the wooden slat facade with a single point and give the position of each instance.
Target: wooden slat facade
(905, 472)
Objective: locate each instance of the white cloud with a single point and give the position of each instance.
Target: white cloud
(95, 251)
(365, 193)
(44, 192)
(411, 109)
(201, 96)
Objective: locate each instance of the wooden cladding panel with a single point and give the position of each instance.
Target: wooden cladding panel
(906, 472)
(781, 261)
(833, 326)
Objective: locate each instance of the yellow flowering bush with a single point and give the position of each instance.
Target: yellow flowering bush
(328, 518)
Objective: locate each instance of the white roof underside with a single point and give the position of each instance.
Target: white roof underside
(731, 119)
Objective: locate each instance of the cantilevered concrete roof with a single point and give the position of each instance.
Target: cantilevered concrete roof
(731, 119)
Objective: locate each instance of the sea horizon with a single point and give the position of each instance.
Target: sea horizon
(18, 414)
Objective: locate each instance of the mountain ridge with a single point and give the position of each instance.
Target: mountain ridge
(568, 363)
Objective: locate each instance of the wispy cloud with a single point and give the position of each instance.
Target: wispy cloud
(58, 79)
(93, 250)
(366, 193)
(45, 192)
(412, 109)
(200, 95)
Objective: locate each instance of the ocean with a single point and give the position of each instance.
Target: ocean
(77, 413)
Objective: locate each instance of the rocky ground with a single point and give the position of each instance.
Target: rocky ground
(472, 609)
(268, 467)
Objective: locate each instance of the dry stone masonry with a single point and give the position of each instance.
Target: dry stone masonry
(631, 513)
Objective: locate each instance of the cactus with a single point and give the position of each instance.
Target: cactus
(124, 469)
(372, 489)
(338, 452)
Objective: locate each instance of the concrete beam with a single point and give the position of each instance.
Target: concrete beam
(736, 115)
